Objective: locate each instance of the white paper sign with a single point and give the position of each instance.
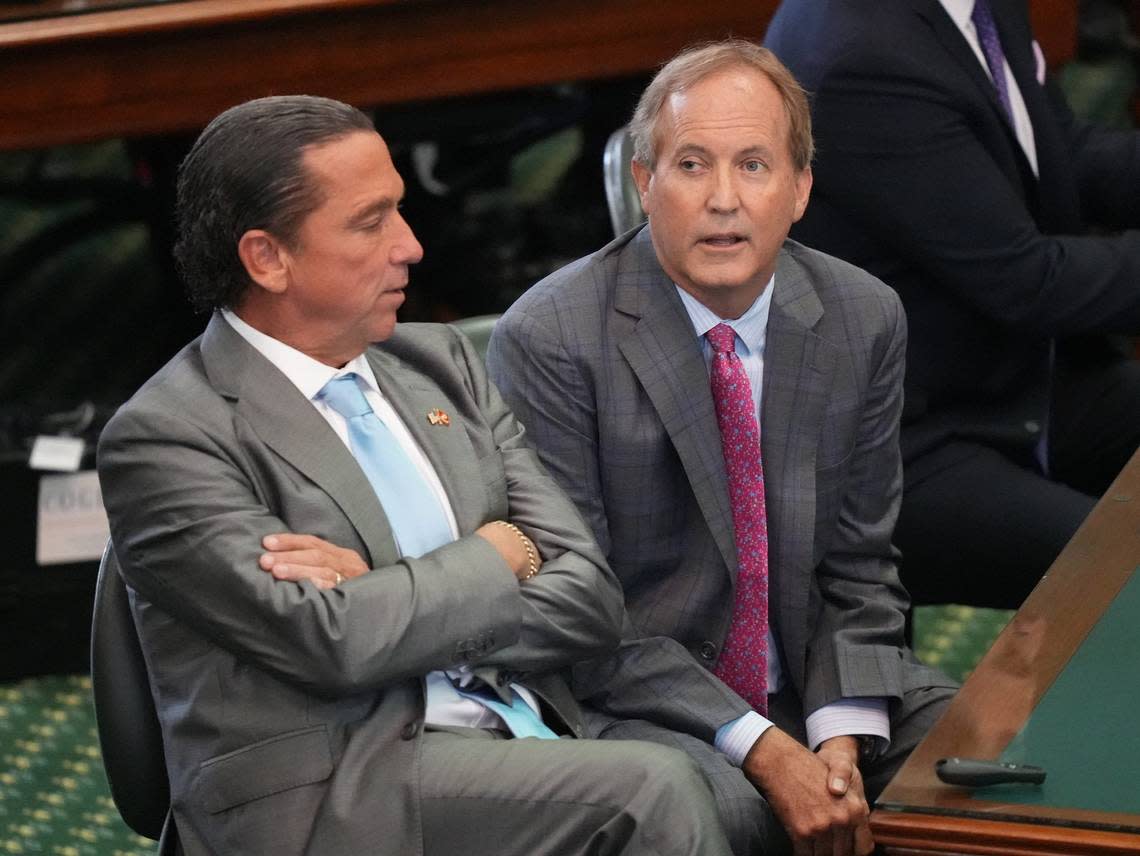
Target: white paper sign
(62, 454)
(71, 523)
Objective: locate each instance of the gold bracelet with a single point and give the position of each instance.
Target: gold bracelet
(528, 545)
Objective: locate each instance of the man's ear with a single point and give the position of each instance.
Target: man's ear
(641, 177)
(265, 260)
(803, 192)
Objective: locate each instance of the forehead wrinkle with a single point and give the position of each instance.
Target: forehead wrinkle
(725, 101)
(708, 138)
(720, 120)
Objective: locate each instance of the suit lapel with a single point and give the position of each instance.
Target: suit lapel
(666, 357)
(798, 368)
(413, 396)
(951, 38)
(958, 48)
(288, 423)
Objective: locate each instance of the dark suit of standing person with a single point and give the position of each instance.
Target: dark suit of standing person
(334, 674)
(608, 365)
(997, 217)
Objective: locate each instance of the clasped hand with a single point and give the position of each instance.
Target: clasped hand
(817, 797)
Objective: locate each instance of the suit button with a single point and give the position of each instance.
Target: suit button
(466, 650)
(1033, 426)
(409, 731)
(708, 650)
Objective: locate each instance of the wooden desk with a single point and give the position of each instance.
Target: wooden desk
(173, 66)
(919, 814)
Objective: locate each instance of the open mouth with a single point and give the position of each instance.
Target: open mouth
(725, 241)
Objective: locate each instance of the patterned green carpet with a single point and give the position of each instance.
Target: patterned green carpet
(54, 798)
(954, 638)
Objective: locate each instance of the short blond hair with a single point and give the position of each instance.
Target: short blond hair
(698, 62)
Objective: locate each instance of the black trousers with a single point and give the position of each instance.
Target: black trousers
(982, 525)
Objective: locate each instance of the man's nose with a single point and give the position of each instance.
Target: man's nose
(407, 249)
(723, 193)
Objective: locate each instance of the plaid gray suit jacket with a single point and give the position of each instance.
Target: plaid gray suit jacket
(601, 364)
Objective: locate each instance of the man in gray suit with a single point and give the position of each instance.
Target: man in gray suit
(343, 626)
(607, 364)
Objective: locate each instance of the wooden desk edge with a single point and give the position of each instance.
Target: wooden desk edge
(1063, 608)
(899, 833)
(138, 20)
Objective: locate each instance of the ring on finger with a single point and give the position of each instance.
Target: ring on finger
(339, 578)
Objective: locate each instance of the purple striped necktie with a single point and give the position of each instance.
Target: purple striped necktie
(983, 18)
(743, 664)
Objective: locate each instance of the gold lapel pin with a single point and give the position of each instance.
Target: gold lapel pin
(438, 417)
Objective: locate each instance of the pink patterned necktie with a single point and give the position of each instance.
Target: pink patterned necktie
(743, 663)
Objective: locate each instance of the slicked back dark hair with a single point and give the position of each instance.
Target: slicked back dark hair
(245, 171)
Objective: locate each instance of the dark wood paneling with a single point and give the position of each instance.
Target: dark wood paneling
(169, 68)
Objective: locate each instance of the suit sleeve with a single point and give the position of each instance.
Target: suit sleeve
(858, 636)
(905, 163)
(573, 608)
(188, 512)
(650, 678)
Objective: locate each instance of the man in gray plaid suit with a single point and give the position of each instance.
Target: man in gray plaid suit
(606, 364)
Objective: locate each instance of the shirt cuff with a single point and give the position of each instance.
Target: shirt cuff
(735, 738)
(850, 716)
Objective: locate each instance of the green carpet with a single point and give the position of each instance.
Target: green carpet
(54, 797)
(953, 638)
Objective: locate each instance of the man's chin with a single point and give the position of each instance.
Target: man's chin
(725, 280)
(383, 331)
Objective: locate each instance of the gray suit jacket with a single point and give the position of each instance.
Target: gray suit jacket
(291, 716)
(601, 363)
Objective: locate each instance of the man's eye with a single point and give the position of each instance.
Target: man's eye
(689, 165)
(753, 166)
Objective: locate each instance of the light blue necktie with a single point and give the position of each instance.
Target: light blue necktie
(518, 715)
(418, 521)
(415, 515)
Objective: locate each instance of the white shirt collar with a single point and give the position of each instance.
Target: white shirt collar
(959, 12)
(307, 374)
(751, 327)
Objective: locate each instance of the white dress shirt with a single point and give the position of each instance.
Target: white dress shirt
(857, 716)
(444, 706)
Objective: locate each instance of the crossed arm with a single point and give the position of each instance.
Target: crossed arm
(191, 497)
(297, 557)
